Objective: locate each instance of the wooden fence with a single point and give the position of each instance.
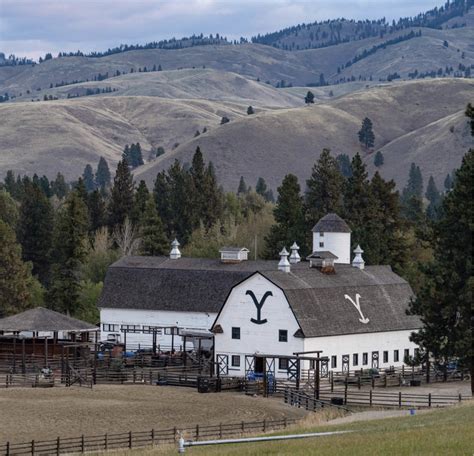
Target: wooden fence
(130, 440)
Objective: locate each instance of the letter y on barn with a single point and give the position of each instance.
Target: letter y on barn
(259, 306)
(356, 304)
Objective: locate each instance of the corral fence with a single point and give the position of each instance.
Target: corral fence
(130, 440)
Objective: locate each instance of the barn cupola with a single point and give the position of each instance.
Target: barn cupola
(295, 256)
(233, 254)
(332, 234)
(175, 253)
(358, 261)
(284, 264)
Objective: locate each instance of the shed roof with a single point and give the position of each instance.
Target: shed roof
(41, 319)
(325, 254)
(331, 223)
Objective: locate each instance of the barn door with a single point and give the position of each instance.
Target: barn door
(345, 364)
(324, 368)
(223, 364)
(270, 366)
(292, 368)
(249, 364)
(375, 360)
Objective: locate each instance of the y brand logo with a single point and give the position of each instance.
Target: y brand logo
(356, 304)
(259, 306)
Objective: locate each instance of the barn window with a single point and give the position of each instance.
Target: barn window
(235, 333)
(333, 362)
(385, 356)
(355, 359)
(407, 353)
(321, 234)
(282, 335)
(110, 327)
(396, 356)
(321, 244)
(365, 359)
(130, 328)
(283, 363)
(417, 352)
(235, 361)
(152, 329)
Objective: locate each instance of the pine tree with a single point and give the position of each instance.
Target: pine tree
(69, 251)
(121, 198)
(59, 186)
(412, 196)
(10, 183)
(34, 230)
(378, 159)
(80, 189)
(250, 111)
(15, 275)
(445, 300)
(88, 178)
(139, 203)
(344, 164)
(261, 187)
(97, 211)
(153, 238)
(309, 98)
(366, 134)
(289, 224)
(324, 189)
(225, 120)
(102, 175)
(470, 114)
(242, 186)
(448, 182)
(8, 209)
(434, 197)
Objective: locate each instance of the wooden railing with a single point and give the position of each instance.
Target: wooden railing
(130, 440)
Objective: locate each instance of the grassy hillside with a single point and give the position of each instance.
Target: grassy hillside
(274, 143)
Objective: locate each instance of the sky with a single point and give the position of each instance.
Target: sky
(33, 27)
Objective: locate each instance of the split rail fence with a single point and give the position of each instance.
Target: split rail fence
(130, 440)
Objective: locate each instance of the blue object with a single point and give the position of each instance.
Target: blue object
(412, 412)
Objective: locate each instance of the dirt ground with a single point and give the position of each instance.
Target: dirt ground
(37, 413)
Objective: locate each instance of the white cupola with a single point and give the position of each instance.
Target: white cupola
(295, 256)
(332, 234)
(175, 253)
(284, 264)
(358, 261)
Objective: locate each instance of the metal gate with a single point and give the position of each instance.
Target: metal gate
(375, 360)
(270, 366)
(345, 364)
(324, 369)
(249, 364)
(223, 364)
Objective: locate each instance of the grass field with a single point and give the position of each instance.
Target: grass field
(41, 414)
(444, 432)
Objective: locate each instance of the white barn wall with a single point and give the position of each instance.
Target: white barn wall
(256, 338)
(337, 243)
(190, 320)
(362, 343)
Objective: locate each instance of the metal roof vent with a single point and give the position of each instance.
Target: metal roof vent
(233, 254)
(175, 253)
(284, 264)
(358, 261)
(294, 257)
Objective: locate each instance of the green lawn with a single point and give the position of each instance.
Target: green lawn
(442, 432)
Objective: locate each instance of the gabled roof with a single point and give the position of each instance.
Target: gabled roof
(324, 255)
(234, 249)
(331, 223)
(41, 319)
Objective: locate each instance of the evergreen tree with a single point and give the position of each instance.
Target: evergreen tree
(309, 98)
(121, 198)
(434, 197)
(344, 164)
(262, 189)
(289, 224)
(45, 186)
(8, 209)
(378, 159)
(34, 230)
(97, 211)
(70, 238)
(445, 300)
(59, 186)
(250, 111)
(412, 196)
(470, 114)
(324, 189)
(242, 186)
(153, 238)
(15, 275)
(88, 178)
(448, 182)
(80, 189)
(366, 134)
(225, 120)
(140, 202)
(10, 183)
(102, 175)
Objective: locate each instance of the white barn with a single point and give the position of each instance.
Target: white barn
(355, 315)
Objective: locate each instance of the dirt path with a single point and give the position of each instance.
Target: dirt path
(374, 415)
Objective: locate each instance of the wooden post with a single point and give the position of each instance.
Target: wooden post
(243, 426)
(220, 430)
(58, 446)
(429, 400)
(14, 354)
(83, 446)
(400, 399)
(345, 393)
(106, 442)
(428, 371)
(297, 372)
(370, 398)
(32, 448)
(124, 341)
(197, 431)
(130, 440)
(264, 425)
(153, 437)
(45, 351)
(317, 381)
(8, 449)
(332, 382)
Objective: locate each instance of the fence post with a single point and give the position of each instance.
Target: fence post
(130, 439)
(197, 431)
(332, 382)
(358, 382)
(460, 397)
(152, 437)
(400, 399)
(32, 448)
(243, 426)
(106, 442)
(264, 425)
(345, 394)
(8, 449)
(385, 380)
(82, 444)
(429, 400)
(370, 398)
(284, 422)
(58, 446)
(220, 430)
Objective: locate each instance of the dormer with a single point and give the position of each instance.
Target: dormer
(323, 261)
(233, 254)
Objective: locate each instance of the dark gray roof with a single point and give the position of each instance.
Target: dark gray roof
(317, 299)
(325, 254)
(41, 319)
(233, 249)
(331, 223)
